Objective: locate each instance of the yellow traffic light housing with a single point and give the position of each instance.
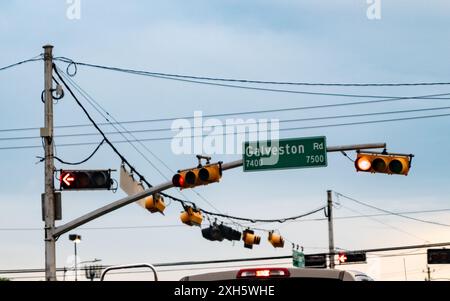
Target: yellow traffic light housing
(276, 240)
(398, 164)
(191, 217)
(210, 174)
(250, 239)
(155, 203)
(202, 175)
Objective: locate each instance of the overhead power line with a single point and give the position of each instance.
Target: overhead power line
(128, 227)
(33, 59)
(246, 81)
(281, 130)
(246, 123)
(142, 178)
(223, 261)
(393, 213)
(239, 113)
(95, 104)
(388, 225)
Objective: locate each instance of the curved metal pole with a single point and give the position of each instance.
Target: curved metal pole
(128, 266)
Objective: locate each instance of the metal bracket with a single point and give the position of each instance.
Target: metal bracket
(200, 157)
(45, 132)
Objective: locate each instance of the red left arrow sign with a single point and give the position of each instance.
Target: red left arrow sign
(68, 179)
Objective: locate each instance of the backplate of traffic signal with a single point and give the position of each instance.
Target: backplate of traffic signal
(392, 164)
(85, 179)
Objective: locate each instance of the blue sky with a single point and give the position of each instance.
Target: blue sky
(313, 41)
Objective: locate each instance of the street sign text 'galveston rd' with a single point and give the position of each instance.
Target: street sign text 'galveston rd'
(285, 153)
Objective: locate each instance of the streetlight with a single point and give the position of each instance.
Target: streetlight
(76, 240)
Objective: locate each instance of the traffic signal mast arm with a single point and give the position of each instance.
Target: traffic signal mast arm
(58, 231)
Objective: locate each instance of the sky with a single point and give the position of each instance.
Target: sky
(302, 41)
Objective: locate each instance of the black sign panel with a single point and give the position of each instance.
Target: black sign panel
(315, 261)
(438, 256)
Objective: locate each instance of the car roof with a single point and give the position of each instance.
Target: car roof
(294, 273)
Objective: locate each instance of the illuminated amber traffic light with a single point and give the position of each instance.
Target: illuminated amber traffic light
(155, 203)
(383, 163)
(191, 217)
(198, 176)
(250, 239)
(276, 240)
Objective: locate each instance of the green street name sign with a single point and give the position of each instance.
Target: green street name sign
(298, 259)
(285, 153)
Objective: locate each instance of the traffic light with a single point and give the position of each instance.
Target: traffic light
(351, 257)
(213, 233)
(220, 232)
(155, 203)
(85, 179)
(383, 163)
(230, 233)
(191, 216)
(250, 239)
(438, 256)
(316, 261)
(276, 240)
(202, 175)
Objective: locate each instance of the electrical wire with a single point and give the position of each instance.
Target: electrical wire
(254, 220)
(393, 213)
(90, 99)
(292, 221)
(79, 162)
(247, 81)
(388, 225)
(33, 59)
(224, 134)
(145, 181)
(246, 123)
(250, 113)
(95, 104)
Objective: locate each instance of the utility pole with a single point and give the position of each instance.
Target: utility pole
(330, 227)
(404, 266)
(49, 194)
(76, 263)
(428, 271)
